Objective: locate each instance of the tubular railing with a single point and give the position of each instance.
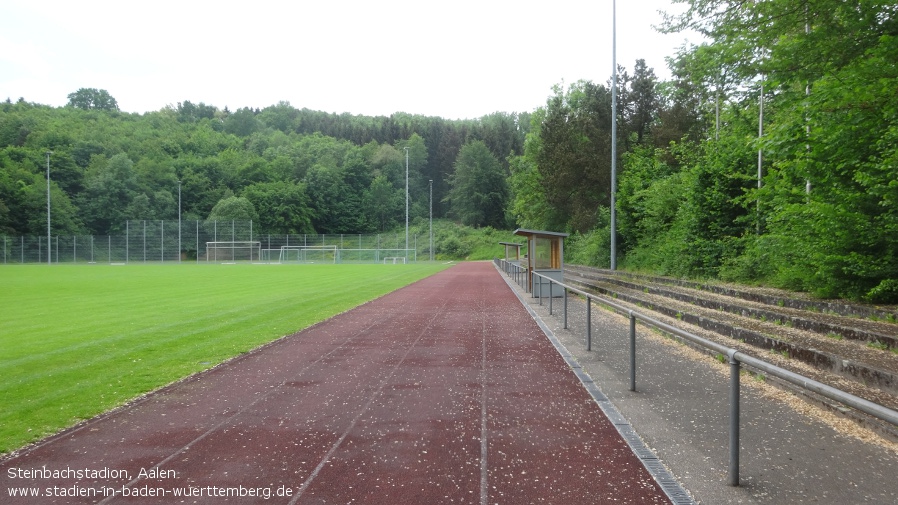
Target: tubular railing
(734, 357)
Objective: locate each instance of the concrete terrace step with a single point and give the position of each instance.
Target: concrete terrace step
(868, 367)
(838, 326)
(772, 297)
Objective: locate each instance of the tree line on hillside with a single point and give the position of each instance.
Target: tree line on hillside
(291, 170)
(771, 156)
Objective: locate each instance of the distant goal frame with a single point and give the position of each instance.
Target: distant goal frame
(302, 253)
(251, 250)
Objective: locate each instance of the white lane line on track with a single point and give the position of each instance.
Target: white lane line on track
(236, 414)
(305, 485)
(484, 483)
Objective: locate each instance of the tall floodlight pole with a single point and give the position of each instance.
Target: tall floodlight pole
(49, 256)
(760, 154)
(807, 92)
(431, 220)
(613, 134)
(179, 221)
(406, 202)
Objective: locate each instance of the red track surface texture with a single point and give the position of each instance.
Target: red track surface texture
(445, 391)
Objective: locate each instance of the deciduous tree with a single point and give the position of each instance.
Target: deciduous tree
(92, 98)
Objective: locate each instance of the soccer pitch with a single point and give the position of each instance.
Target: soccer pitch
(77, 340)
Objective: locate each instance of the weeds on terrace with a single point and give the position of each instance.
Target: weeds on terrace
(876, 344)
(784, 353)
(889, 318)
(834, 336)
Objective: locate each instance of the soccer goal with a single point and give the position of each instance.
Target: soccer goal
(233, 251)
(309, 254)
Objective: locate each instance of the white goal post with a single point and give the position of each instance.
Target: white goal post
(309, 254)
(239, 250)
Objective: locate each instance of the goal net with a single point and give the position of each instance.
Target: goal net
(233, 251)
(309, 254)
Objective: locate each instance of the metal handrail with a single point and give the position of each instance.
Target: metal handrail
(734, 357)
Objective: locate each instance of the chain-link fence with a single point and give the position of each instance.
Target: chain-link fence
(212, 241)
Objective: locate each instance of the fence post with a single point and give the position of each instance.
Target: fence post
(735, 369)
(540, 291)
(588, 323)
(632, 351)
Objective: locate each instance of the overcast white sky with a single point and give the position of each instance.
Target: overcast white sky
(455, 59)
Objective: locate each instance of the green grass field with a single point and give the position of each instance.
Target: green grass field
(77, 340)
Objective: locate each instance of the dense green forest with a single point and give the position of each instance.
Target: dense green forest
(770, 156)
(301, 171)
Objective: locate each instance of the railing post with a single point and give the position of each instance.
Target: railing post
(540, 291)
(565, 307)
(588, 323)
(735, 369)
(632, 351)
(550, 297)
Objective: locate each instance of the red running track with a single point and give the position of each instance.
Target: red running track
(445, 391)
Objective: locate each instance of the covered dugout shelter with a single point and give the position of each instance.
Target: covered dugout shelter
(512, 252)
(545, 255)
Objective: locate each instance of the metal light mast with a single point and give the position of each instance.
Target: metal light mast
(613, 135)
(431, 220)
(406, 203)
(49, 254)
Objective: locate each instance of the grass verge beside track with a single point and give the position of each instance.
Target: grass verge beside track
(77, 340)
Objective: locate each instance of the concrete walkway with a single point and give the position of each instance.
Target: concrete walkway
(680, 410)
